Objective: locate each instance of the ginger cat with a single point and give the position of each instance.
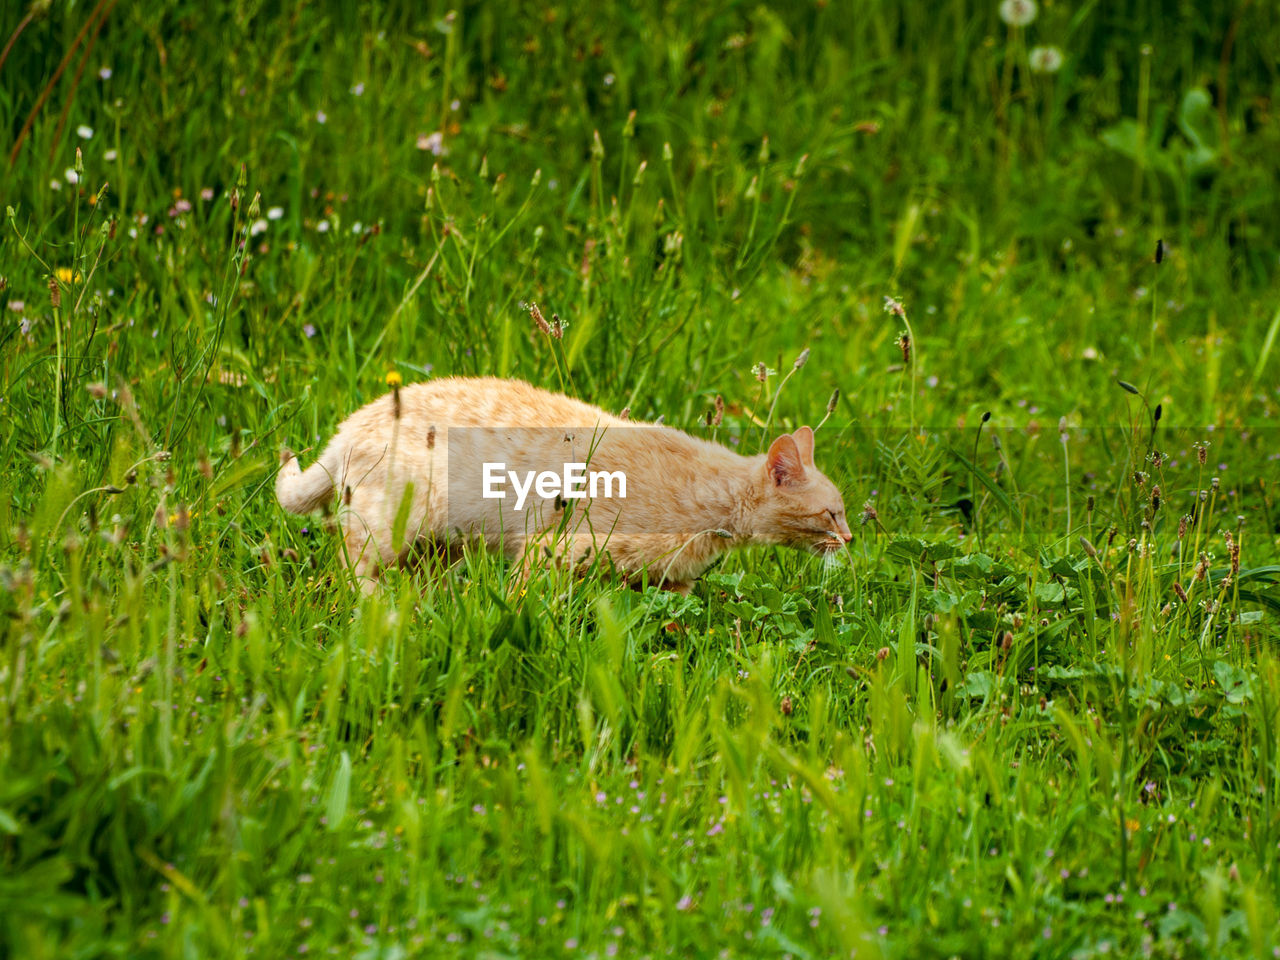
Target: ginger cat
(446, 462)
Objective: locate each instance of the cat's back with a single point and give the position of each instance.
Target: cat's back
(482, 402)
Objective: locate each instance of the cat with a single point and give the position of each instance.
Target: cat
(430, 466)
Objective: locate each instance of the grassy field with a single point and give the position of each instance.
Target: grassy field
(1031, 712)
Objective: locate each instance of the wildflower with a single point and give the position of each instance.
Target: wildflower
(258, 226)
(868, 513)
(357, 89)
(104, 73)
(322, 226)
(321, 117)
(1045, 59)
(55, 184)
(802, 359)
(309, 330)
(1018, 13)
(70, 175)
(433, 142)
(1233, 548)
(894, 307)
(685, 903)
(206, 194)
(539, 319)
(66, 275)
(84, 132)
(275, 213)
(394, 379)
(17, 306)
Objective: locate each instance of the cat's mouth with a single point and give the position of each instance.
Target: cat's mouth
(827, 545)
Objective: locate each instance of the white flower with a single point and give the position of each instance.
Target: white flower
(357, 90)
(275, 213)
(1018, 13)
(321, 117)
(357, 227)
(104, 73)
(70, 175)
(109, 156)
(433, 142)
(1045, 59)
(55, 184)
(257, 227)
(84, 132)
(322, 226)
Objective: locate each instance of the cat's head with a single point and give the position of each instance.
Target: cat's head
(798, 506)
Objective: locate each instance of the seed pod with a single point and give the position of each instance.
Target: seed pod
(539, 319)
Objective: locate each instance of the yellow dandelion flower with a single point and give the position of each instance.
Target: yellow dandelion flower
(1132, 825)
(66, 275)
(394, 379)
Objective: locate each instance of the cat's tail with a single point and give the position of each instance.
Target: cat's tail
(301, 491)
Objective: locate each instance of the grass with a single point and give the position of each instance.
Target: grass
(1032, 712)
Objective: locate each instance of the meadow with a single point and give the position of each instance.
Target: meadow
(1022, 273)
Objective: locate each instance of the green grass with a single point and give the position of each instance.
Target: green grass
(994, 728)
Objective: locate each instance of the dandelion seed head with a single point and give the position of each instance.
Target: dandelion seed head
(1018, 13)
(1046, 59)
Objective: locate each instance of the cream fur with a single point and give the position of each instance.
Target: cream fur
(687, 501)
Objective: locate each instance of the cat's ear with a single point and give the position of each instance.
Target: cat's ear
(804, 443)
(784, 463)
